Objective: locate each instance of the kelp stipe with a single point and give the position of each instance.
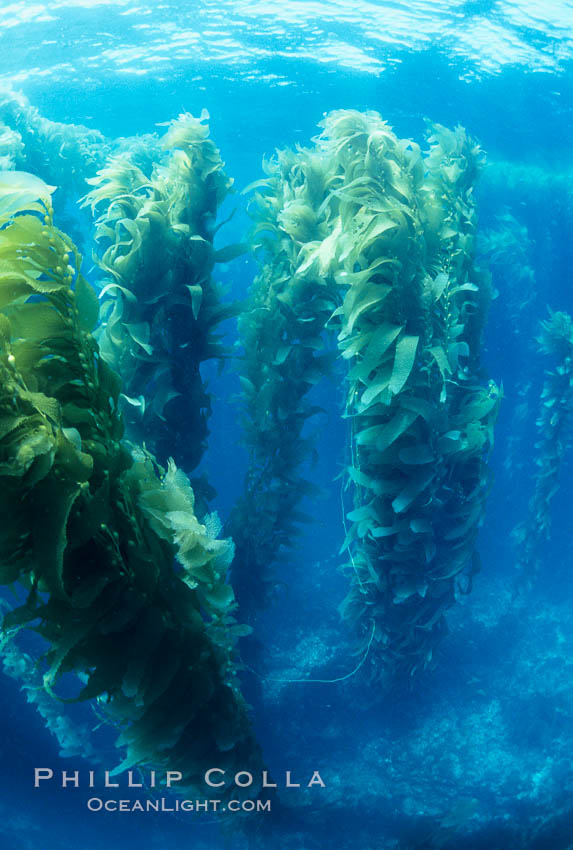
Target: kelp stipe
(91, 529)
(554, 438)
(161, 306)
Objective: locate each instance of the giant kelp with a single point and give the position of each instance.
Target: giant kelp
(368, 223)
(507, 249)
(553, 425)
(284, 356)
(155, 231)
(75, 738)
(421, 417)
(541, 195)
(121, 581)
(64, 154)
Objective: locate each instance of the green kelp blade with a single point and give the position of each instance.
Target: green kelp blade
(87, 303)
(416, 485)
(53, 504)
(21, 191)
(382, 436)
(230, 252)
(380, 341)
(403, 362)
(365, 297)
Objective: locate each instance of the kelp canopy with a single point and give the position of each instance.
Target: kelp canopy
(365, 223)
(92, 528)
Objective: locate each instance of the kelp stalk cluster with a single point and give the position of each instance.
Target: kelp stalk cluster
(365, 222)
(121, 581)
(285, 355)
(161, 306)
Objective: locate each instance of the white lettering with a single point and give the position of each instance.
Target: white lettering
(316, 779)
(266, 783)
(290, 784)
(108, 783)
(172, 776)
(131, 783)
(244, 784)
(208, 777)
(42, 773)
(73, 779)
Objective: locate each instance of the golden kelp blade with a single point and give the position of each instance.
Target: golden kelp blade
(92, 527)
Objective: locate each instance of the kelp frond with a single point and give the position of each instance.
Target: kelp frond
(126, 587)
(368, 236)
(161, 306)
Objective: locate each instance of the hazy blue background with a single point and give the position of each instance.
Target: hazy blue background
(494, 723)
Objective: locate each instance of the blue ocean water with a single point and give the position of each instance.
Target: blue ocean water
(473, 754)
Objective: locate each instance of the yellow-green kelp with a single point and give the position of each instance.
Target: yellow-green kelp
(161, 306)
(125, 586)
(370, 224)
(553, 427)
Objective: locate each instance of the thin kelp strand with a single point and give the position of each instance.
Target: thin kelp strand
(319, 681)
